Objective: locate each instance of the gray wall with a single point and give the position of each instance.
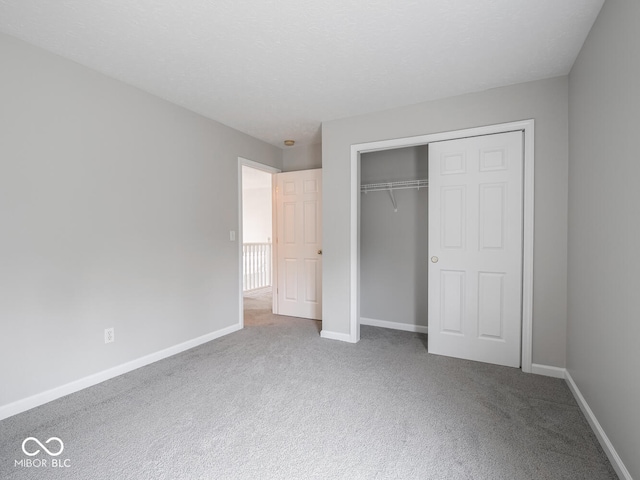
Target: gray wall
(393, 245)
(115, 208)
(304, 157)
(603, 355)
(547, 102)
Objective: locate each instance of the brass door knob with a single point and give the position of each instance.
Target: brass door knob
(319, 252)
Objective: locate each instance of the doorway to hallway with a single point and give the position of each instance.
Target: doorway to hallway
(256, 238)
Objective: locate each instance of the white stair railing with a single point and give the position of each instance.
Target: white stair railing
(256, 265)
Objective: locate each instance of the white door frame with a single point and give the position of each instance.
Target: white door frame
(269, 169)
(526, 126)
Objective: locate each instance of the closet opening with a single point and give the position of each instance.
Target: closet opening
(393, 238)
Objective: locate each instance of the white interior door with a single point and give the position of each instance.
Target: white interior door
(475, 248)
(299, 243)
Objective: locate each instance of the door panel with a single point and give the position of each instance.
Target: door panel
(299, 237)
(289, 219)
(310, 223)
(453, 218)
(475, 245)
(290, 290)
(492, 215)
(452, 301)
(311, 270)
(490, 305)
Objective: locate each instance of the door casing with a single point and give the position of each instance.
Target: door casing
(528, 128)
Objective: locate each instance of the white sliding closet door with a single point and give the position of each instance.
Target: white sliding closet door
(475, 248)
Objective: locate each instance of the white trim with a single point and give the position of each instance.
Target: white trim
(239, 238)
(405, 327)
(275, 305)
(527, 247)
(258, 166)
(343, 337)
(606, 444)
(527, 268)
(38, 399)
(548, 370)
(354, 255)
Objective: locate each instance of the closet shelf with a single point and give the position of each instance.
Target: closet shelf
(391, 186)
(376, 187)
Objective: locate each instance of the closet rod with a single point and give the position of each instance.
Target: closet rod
(391, 186)
(376, 187)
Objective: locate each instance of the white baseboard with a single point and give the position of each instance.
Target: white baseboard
(406, 327)
(606, 444)
(343, 337)
(38, 399)
(548, 371)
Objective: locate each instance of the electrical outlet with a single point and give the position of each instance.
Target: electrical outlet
(109, 335)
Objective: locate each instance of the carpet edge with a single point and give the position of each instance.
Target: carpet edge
(47, 396)
(606, 444)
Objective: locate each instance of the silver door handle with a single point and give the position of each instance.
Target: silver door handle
(434, 259)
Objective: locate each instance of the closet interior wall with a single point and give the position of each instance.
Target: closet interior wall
(393, 245)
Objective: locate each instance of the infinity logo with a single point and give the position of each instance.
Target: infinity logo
(31, 454)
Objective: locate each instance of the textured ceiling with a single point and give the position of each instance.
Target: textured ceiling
(276, 69)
